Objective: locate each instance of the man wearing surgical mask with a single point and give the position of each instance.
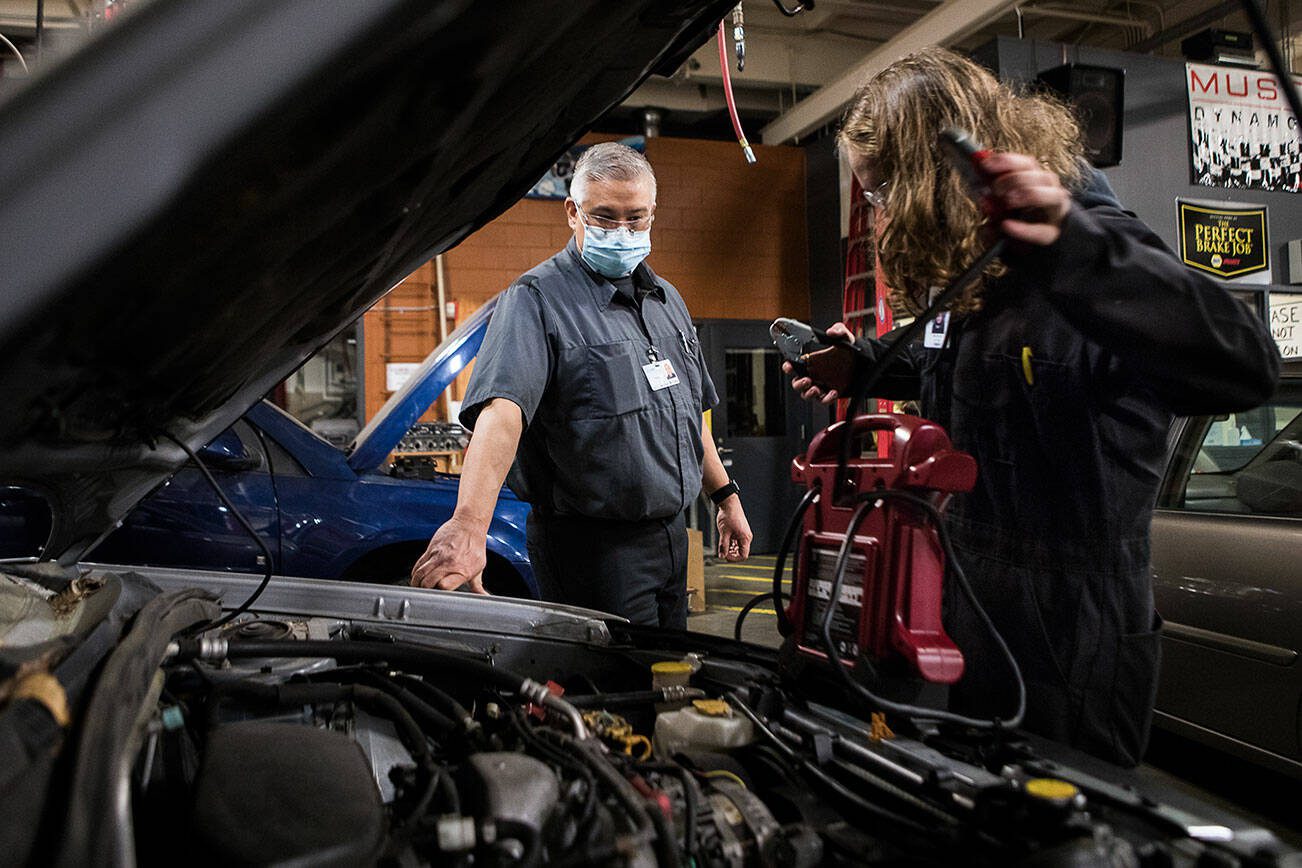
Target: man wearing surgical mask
(590, 389)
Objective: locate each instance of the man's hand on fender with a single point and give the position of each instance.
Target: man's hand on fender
(734, 530)
(831, 369)
(455, 557)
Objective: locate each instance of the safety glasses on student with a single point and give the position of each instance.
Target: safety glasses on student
(877, 197)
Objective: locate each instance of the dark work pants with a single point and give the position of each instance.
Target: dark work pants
(637, 569)
(1079, 619)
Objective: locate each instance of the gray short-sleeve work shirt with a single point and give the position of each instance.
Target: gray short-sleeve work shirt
(568, 347)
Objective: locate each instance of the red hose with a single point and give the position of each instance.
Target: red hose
(727, 95)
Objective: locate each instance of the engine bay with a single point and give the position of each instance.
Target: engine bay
(452, 770)
(333, 741)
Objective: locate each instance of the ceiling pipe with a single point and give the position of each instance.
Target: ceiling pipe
(1184, 28)
(944, 25)
(1092, 17)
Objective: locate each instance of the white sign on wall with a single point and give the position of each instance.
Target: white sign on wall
(1243, 133)
(396, 374)
(1286, 323)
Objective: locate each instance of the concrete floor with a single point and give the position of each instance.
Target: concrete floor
(727, 588)
(1260, 796)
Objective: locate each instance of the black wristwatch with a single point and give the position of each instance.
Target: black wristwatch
(720, 495)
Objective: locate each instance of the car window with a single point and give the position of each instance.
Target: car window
(1249, 463)
(252, 444)
(282, 462)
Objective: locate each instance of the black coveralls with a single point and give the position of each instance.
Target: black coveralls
(1063, 388)
(608, 463)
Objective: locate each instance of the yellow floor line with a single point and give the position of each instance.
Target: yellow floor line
(755, 611)
(757, 581)
(709, 591)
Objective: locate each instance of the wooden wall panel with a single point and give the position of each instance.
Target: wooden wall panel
(730, 236)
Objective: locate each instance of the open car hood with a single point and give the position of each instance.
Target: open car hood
(206, 194)
(387, 427)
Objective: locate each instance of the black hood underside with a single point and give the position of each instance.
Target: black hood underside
(207, 193)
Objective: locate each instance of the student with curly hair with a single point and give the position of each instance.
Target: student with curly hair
(1060, 371)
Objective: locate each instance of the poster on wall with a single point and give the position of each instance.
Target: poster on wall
(1286, 323)
(396, 374)
(556, 183)
(1225, 239)
(1242, 132)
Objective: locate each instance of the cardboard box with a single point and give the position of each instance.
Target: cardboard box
(695, 571)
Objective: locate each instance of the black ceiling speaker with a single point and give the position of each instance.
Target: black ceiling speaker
(1096, 94)
(1213, 45)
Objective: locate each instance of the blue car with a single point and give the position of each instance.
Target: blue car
(323, 512)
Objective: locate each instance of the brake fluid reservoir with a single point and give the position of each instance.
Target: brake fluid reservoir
(705, 725)
(670, 673)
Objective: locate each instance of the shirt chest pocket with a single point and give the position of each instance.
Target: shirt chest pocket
(603, 380)
(1015, 399)
(683, 350)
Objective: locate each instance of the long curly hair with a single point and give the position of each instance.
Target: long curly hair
(929, 228)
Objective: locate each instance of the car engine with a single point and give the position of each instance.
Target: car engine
(285, 748)
(424, 450)
(330, 741)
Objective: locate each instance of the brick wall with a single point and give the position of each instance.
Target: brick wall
(731, 237)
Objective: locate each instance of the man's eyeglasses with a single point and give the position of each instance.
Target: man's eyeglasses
(641, 224)
(877, 197)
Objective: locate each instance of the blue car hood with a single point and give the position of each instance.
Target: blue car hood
(208, 192)
(373, 445)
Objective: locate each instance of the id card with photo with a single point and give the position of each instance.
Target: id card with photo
(937, 329)
(661, 374)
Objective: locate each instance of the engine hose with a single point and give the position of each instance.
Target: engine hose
(666, 846)
(888, 817)
(562, 759)
(425, 713)
(728, 97)
(309, 693)
(451, 798)
(635, 697)
(419, 658)
(399, 654)
(437, 697)
(691, 797)
(646, 817)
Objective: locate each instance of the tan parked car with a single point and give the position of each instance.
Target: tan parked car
(1227, 564)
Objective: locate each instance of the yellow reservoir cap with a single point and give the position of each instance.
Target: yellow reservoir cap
(1051, 789)
(712, 707)
(671, 667)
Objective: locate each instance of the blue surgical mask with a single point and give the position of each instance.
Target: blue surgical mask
(615, 252)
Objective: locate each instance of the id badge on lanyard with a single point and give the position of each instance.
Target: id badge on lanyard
(660, 374)
(937, 331)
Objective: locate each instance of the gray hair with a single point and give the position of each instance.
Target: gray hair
(609, 161)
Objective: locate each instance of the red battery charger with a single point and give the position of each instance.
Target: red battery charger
(890, 602)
